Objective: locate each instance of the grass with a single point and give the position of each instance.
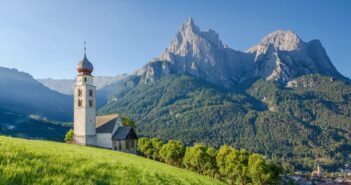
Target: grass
(43, 162)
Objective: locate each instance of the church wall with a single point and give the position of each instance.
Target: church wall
(121, 145)
(104, 140)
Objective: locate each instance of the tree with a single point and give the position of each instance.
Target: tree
(263, 172)
(222, 154)
(238, 168)
(201, 159)
(145, 146)
(126, 121)
(156, 147)
(69, 136)
(233, 164)
(195, 157)
(173, 152)
(210, 167)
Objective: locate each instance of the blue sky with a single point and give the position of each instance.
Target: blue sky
(45, 38)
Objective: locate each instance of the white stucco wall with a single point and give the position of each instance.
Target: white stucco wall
(104, 140)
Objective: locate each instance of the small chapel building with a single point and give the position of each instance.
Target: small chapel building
(105, 131)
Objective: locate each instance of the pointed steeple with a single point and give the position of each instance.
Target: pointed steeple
(85, 48)
(84, 67)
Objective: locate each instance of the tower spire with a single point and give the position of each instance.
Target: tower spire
(85, 47)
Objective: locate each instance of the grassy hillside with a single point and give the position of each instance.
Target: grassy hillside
(43, 162)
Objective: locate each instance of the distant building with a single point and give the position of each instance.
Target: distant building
(317, 173)
(100, 131)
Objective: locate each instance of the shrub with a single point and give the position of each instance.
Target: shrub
(69, 136)
(173, 152)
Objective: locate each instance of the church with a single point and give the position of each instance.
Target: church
(105, 131)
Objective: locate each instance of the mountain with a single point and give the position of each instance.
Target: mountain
(298, 124)
(280, 56)
(105, 86)
(282, 97)
(201, 54)
(21, 94)
(66, 86)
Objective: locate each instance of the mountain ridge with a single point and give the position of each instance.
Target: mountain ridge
(21, 93)
(280, 56)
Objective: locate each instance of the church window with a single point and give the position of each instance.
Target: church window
(90, 92)
(79, 103)
(131, 144)
(90, 103)
(119, 145)
(79, 92)
(85, 79)
(127, 143)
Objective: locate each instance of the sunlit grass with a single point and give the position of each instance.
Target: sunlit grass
(43, 162)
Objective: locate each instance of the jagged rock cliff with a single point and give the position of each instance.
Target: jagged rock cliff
(280, 56)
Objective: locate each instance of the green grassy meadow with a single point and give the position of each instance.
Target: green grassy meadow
(43, 162)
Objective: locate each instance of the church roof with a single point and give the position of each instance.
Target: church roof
(125, 132)
(85, 67)
(106, 123)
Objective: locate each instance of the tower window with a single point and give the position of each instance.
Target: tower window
(90, 103)
(85, 79)
(90, 92)
(79, 103)
(79, 92)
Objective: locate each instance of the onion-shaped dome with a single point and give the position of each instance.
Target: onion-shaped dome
(84, 67)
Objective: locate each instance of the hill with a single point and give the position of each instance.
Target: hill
(42, 162)
(18, 125)
(21, 94)
(307, 120)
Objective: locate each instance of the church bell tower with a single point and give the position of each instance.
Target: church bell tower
(84, 104)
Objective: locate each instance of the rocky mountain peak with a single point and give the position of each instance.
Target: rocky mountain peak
(189, 26)
(190, 22)
(279, 40)
(280, 56)
(283, 55)
(283, 40)
(191, 41)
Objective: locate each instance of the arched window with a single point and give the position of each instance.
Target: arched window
(131, 144)
(79, 103)
(85, 79)
(79, 92)
(127, 144)
(90, 92)
(91, 103)
(119, 145)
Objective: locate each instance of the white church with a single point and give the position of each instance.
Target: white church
(100, 131)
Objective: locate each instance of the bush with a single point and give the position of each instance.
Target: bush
(145, 146)
(173, 152)
(201, 159)
(69, 136)
(239, 166)
(156, 147)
